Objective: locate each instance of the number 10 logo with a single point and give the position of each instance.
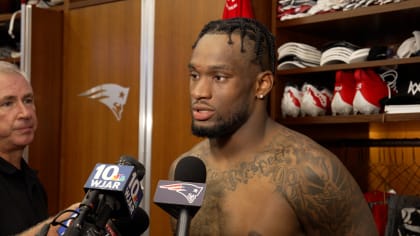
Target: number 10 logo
(108, 172)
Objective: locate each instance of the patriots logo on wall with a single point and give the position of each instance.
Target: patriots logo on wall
(113, 96)
(188, 190)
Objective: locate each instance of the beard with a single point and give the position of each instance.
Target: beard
(223, 127)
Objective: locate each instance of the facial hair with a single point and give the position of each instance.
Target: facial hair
(223, 127)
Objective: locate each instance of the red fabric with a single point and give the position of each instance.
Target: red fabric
(238, 8)
(377, 201)
(371, 85)
(345, 85)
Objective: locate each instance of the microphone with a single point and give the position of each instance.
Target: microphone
(132, 226)
(183, 197)
(112, 191)
(123, 226)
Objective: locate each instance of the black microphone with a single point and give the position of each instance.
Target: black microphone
(132, 226)
(121, 226)
(183, 197)
(112, 191)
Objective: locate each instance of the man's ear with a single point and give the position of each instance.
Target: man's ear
(264, 83)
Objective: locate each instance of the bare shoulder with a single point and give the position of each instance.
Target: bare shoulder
(199, 150)
(326, 198)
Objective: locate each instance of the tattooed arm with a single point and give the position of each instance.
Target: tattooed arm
(327, 199)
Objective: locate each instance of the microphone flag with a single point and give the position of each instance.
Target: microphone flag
(172, 196)
(122, 180)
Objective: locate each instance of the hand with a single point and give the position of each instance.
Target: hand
(38, 230)
(60, 217)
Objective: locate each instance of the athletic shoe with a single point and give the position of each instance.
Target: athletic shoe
(344, 91)
(315, 102)
(291, 102)
(370, 90)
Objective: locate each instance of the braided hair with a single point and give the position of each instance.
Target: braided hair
(264, 41)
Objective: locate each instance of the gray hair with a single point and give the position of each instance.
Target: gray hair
(10, 68)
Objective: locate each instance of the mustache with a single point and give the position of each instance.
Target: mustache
(201, 103)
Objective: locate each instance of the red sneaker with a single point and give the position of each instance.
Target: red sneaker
(344, 91)
(370, 90)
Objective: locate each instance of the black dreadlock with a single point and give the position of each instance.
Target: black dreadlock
(257, 32)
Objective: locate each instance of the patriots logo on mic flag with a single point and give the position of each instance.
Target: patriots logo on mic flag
(238, 8)
(188, 190)
(177, 193)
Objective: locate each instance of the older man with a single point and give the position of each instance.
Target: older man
(23, 198)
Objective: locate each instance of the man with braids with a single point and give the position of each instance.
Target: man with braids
(262, 178)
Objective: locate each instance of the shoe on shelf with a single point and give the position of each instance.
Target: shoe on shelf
(370, 90)
(291, 102)
(344, 91)
(315, 102)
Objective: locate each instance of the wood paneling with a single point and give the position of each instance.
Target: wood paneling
(46, 69)
(86, 3)
(177, 25)
(101, 45)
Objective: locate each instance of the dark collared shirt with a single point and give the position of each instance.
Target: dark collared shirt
(23, 200)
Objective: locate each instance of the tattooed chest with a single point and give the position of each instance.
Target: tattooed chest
(238, 203)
